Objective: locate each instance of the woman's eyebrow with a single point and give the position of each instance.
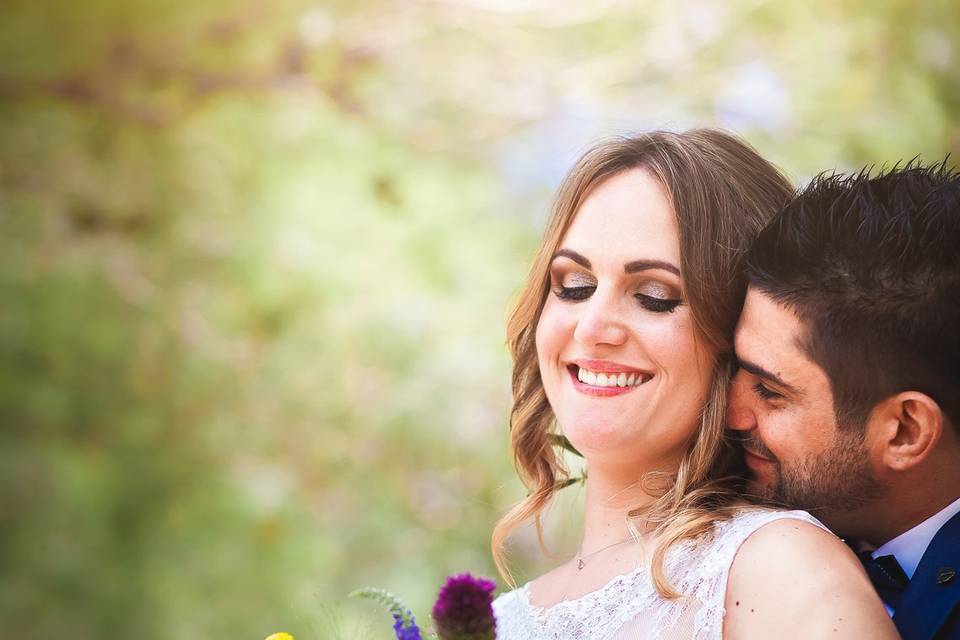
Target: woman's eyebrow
(635, 266)
(644, 265)
(573, 255)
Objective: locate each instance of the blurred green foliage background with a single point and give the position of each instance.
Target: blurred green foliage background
(256, 257)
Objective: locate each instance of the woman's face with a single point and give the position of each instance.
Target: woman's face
(622, 366)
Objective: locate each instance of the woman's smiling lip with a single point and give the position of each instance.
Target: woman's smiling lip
(605, 367)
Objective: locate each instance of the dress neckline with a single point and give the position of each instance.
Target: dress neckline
(541, 611)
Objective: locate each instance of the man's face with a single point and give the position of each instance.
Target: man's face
(781, 404)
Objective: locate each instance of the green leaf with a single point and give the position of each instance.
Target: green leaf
(563, 484)
(559, 440)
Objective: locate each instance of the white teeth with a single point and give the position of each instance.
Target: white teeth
(611, 379)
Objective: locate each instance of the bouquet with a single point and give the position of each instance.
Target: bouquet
(463, 610)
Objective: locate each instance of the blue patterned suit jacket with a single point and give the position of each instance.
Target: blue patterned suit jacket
(930, 607)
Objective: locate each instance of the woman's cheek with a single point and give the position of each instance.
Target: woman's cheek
(552, 330)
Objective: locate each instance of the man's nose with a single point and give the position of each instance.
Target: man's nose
(601, 321)
(740, 415)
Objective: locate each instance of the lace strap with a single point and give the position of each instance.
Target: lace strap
(730, 535)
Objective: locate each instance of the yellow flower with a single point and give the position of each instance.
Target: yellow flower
(279, 636)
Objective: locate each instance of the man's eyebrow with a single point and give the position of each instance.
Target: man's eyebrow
(762, 373)
(634, 266)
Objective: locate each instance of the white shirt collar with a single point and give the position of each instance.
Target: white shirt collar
(910, 546)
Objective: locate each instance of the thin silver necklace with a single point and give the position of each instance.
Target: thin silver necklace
(582, 559)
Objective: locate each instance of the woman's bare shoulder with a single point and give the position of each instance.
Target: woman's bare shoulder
(549, 588)
(793, 579)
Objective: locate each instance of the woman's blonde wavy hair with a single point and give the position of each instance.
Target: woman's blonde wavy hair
(722, 192)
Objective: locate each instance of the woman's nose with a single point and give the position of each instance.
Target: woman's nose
(600, 322)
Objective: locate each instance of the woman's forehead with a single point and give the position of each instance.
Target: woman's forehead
(626, 217)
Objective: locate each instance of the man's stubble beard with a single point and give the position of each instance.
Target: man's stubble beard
(832, 486)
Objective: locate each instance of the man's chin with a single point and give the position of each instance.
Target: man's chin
(761, 489)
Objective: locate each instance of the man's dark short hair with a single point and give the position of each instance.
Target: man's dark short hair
(871, 265)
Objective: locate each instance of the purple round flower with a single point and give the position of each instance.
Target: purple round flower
(464, 610)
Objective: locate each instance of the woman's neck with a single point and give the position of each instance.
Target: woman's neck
(609, 498)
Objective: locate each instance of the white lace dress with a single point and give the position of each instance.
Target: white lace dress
(629, 607)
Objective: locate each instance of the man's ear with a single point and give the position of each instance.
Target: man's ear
(909, 426)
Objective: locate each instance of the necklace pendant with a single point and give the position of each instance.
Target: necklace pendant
(579, 564)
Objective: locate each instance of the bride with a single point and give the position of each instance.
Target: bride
(622, 337)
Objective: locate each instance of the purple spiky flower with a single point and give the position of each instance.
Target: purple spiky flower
(406, 630)
(464, 610)
(404, 624)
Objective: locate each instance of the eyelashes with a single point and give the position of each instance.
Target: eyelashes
(650, 303)
(658, 305)
(759, 389)
(767, 394)
(574, 293)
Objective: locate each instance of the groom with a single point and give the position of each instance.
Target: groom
(847, 400)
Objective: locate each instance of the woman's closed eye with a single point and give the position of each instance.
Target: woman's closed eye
(657, 304)
(574, 287)
(657, 297)
(581, 292)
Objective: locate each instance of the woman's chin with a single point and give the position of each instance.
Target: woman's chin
(615, 445)
(601, 438)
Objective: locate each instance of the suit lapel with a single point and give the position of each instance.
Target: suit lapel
(926, 604)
